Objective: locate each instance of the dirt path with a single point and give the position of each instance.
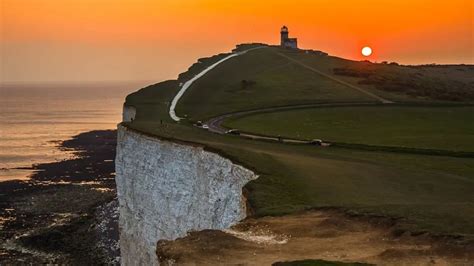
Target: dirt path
(327, 235)
(382, 100)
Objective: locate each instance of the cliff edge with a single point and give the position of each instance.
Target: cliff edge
(167, 189)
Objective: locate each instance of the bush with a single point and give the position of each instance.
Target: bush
(247, 83)
(415, 85)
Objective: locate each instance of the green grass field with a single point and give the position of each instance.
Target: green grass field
(445, 128)
(427, 193)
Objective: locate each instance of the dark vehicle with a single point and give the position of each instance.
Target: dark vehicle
(317, 142)
(198, 124)
(233, 132)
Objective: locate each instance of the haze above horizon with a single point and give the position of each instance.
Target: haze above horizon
(96, 40)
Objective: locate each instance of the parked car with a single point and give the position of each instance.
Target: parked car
(205, 126)
(233, 132)
(198, 124)
(316, 142)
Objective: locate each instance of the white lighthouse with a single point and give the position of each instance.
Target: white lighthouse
(287, 42)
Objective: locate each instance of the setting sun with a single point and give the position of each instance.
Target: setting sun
(366, 51)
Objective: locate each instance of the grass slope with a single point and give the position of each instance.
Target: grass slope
(260, 78)
(152, 103)
(267, 77)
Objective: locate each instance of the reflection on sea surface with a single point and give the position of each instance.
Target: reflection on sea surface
(35, 118)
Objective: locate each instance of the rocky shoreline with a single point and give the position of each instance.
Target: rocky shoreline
(66, 213)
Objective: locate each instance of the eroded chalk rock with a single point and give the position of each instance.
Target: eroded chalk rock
(128, 113)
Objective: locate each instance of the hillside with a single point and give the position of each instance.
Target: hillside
(423, 191)
(268, 77)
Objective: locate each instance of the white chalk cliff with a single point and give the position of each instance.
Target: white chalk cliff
(167, 189)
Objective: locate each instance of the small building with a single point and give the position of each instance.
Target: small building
(287, 42)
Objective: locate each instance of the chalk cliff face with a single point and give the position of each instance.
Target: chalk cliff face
(166, 189)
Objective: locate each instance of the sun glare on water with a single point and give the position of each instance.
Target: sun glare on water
(366, 51)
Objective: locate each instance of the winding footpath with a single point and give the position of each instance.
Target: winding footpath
(372, 95)
(190, 82)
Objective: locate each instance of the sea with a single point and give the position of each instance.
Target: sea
(34, 119)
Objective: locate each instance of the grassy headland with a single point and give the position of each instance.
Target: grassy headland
(426, 193)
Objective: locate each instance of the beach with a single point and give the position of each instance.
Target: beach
(66, 213)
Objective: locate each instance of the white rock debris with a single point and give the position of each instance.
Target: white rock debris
(166, 190)
(259, 237)
(107, 230)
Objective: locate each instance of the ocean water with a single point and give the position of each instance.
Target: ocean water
(35, 118)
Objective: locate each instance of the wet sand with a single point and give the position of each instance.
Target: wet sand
(66, 213)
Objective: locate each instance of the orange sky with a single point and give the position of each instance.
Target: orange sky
(88, 40)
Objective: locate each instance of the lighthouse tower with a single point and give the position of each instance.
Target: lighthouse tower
(284, 35)
(287, 42)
